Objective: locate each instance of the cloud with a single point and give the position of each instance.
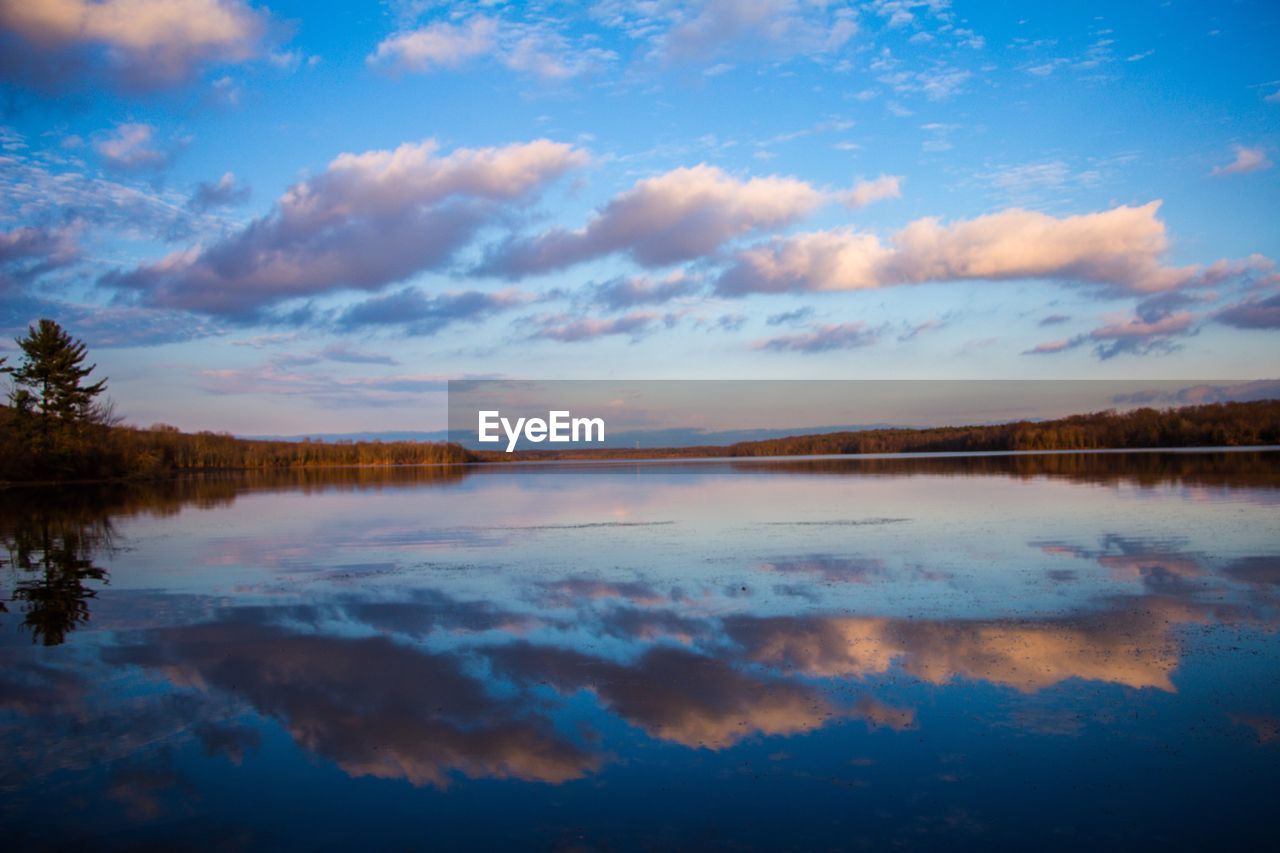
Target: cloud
(1119, 248)
(113, 326)
(868, 192)
(673, 694)
(566, 329)
(683, 214)
(524, 47)
(830, 569)
(347, 354)
(138, 44)
(797, 315)
(574, 591)
(226, 191)
(29, 252)
(628, 292)
(421, 313)
(52, 185)
(632, 623)
(278, 379)
(372, 706)
(1051, 347)
(1247, 160)
(731, 30)
(1053, 320)
(913, 332)
(1136, 335)
(1122, 646)
(1259, 570)
(368, 220)
(936, 84)
(1252, 314)
(438, 45)
(823, 338)
(131, 147)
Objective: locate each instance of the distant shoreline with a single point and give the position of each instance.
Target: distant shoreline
(906, 454)
(128, 453)
(646, 461)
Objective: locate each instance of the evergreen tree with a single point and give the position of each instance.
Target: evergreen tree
(52, 403)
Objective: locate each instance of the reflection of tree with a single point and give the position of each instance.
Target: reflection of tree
(53, 553)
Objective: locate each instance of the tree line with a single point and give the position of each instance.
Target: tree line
(1211, 425)
(59, 426)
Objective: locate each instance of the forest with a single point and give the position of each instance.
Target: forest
(1211, 425)
(107, 451)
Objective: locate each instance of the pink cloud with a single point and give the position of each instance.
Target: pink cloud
(677, 216)
(149, 43)
(367, 220)
(1247, 160)
(1120, 248)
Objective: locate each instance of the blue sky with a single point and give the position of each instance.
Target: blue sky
(301, 217)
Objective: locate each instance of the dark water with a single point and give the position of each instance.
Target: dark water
(996, 652)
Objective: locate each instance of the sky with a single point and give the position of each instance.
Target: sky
(299, 218)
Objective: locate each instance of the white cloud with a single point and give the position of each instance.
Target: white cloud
(1120, 248)
(131, 147)
(535, 49)
(437, 45)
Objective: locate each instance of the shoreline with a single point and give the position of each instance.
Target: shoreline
(603, 460)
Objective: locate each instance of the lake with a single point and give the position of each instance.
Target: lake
(964, 652)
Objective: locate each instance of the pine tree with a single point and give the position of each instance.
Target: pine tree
(51, 402)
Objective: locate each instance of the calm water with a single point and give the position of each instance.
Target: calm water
(987, 652)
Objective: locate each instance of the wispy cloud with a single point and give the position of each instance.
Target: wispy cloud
(1147, 332)
(529, 48)
(1247, 160)
(631, 291)
(822, 338)
(569, 329)
(133, 147)
(739, 29)
(224, 192)
(417, 312)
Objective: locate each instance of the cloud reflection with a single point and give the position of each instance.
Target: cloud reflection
(374, 707)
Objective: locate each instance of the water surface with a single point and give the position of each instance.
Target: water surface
(804, 654)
